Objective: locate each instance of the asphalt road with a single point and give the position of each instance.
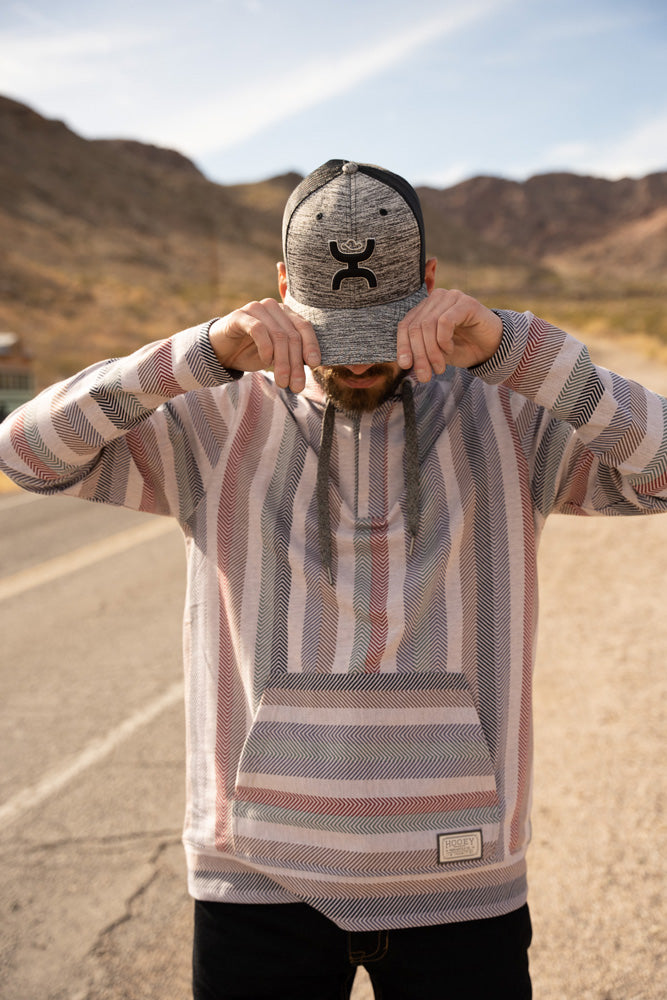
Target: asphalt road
(93, 904)
(92, 879)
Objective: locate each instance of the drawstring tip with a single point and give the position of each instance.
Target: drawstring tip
(329, 574)
(412, 545)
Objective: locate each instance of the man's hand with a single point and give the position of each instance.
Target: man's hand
(447, 328)
(266, 334)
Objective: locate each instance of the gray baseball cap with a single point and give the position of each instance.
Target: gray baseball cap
(353, 243)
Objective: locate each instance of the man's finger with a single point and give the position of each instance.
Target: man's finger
(418, 344)
(257, 328)
(411, 330)
(287, 332)
(430, 327)
(311, 349)
(420, 360)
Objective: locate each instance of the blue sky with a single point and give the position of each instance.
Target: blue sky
(437, 91)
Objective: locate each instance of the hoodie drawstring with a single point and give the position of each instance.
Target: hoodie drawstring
(411, 462)
(323, 513)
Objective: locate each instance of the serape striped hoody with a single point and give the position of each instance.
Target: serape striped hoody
(362, 745)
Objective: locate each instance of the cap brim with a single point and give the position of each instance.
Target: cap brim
(357, 336)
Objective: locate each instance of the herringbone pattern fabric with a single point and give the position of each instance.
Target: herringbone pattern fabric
(344, 739)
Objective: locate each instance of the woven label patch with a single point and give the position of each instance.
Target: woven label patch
(460, 846)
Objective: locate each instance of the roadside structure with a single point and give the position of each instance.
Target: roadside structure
(17, 378)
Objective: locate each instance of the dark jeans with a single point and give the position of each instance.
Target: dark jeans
(292, 952)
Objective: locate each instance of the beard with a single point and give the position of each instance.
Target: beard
(363, 399)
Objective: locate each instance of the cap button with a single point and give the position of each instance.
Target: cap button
(350, 168)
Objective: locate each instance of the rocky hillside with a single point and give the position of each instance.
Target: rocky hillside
(548, 214)
(106, 244)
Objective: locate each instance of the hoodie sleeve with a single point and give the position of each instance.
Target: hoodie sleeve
(596, 442)
(137, 432)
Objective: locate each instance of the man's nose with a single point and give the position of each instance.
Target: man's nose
(358, 369)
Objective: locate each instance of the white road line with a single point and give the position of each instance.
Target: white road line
(87, 555)
(28, 798)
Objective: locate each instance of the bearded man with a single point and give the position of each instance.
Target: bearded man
(362, 528)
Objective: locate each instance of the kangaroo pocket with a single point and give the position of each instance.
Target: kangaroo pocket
(366, 775)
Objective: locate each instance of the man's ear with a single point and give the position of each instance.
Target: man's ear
(282, 279)
(429, 273)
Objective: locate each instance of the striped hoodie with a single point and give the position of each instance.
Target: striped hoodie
(362, 745)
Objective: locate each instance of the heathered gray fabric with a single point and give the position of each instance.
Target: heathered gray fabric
(353, 253)
(322, 488)
(411, 462)
(357, 336)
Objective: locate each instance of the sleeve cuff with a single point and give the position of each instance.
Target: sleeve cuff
(196, 365)
(211, 358)
(502, 365)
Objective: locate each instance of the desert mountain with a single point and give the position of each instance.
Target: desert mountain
(106, 244)
(549, 214)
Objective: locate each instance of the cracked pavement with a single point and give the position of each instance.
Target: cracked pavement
(93, 901)
(94, 893)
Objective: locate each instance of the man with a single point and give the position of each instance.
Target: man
(361, 611)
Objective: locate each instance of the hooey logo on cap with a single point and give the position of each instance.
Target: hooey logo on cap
(352, 253)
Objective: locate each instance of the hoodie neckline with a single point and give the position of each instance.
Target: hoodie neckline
(314, 393)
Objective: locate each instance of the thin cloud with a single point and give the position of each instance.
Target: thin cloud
(33, 16)
(454, 174)
(645, 147)
(225, 122)
(558, 29)
(60, 57)
(641, 150)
